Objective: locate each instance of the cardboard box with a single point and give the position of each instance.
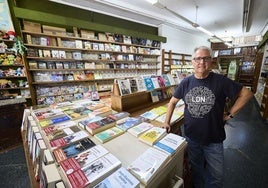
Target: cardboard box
(32, 26)
(53, 30)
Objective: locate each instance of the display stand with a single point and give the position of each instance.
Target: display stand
(135, 101)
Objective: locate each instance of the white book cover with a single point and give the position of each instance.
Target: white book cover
(140, 128)
(170, 143)
(140, 84)
(147, 164)
(120, 178)
(101, 167)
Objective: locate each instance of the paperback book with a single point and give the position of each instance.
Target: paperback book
(83, 159)
(170, 143)
(140, 128)
(119, 115)
(108, 134)
(147, 164)
(57, 134)
(152, 135)
(98, 126)
(85, 122)
(73, 149)
(94, 172)
(68, 139)
(120, 178)
(128, 122)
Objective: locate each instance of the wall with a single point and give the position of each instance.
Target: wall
(179, 41)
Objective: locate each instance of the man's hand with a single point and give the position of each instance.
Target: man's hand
(166, 126)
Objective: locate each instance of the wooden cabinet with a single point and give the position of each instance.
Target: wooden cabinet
(69, 65)
(13, 79)
(10, 122)
(173, 62)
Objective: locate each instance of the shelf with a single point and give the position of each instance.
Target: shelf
(100, 60)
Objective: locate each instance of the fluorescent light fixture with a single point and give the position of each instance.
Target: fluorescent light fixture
(228, 44)
(205, 31)
(152, 1)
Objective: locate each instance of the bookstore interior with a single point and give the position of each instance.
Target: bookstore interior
(79, 87)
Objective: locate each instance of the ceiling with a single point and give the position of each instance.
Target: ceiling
(224, 18)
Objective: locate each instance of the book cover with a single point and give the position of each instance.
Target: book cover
(161, 81)
(170, 143)
(119, 115)
(98, 126)
(104, 111)
(83, 159)
(83, 123)
(148, 83)
(77, 111)
(124, 86)
(149, 115)
(128, 122)
(154, 96)
(133, 85)
(166, 80)
(62, 133)
(140, 128)
(108, 134)
(68, 139)
(59, 126)
(152, 135)
(54, 120)
(140, 84)
(155, 82)
(94, 172)
(73, 149)
(147, 164)
(120, 178)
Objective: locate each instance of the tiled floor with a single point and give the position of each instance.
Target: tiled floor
(246, 154)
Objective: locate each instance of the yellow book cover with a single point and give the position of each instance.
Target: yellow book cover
(152, 135)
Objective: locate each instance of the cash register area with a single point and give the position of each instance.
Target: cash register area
(246, 154)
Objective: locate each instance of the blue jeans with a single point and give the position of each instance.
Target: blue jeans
(206, 163)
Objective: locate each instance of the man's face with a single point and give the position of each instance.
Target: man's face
(202, 61)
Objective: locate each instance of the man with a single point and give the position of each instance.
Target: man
(205, 94)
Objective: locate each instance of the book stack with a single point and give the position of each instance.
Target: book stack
(152, 135)
(170, 143)
(108, 134)
(146, 166)
(128, 122)
(140, 128)
(92, 173)
(100, 125)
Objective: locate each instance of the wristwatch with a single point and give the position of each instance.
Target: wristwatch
(229, 114)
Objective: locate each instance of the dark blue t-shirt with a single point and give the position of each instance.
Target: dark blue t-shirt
(204, 106)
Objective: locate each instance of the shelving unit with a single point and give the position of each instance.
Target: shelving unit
(262, 89)
(247, 68)
(85, 61)
(13, 78)
(176, 62)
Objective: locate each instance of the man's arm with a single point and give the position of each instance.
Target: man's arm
(243, 97)
(171, 106)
